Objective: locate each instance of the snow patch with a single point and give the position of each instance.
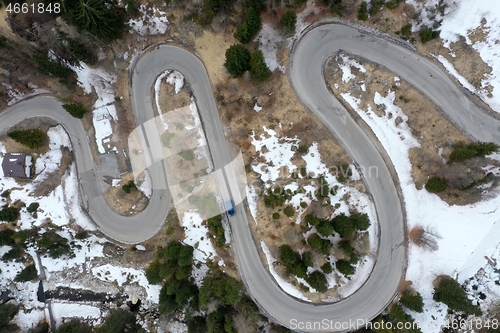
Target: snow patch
(152, 22)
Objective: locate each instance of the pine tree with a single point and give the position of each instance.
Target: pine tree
(237, 60)
(32, 138)
(103, 19)
(258, 67)
(249, 27)
(288, 21)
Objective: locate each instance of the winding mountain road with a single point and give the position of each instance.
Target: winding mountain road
(306, 73)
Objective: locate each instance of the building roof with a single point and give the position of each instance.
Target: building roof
(16, 165)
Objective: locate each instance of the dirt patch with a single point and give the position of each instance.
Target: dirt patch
(435, 133)
(169, 99)
(211, 47)
(123, 203)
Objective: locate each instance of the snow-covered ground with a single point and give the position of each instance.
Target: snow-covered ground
(278, 153)
(197, 236)
(268, 39)
(84, 269)
(62, 311)
(465, 235)
(462, 19)
(151, 22)
(17, 95)
(104, 111)
(52, 206)
(122, 275)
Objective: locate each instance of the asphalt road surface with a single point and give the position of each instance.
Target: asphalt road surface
(306, 73)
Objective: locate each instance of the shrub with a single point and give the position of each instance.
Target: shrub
(476, 149)
(27, 274)
(361, 221)
(153, 272)
(319, 244)
(436, 185)
(185, 256)
(276, 197)
(7, 312)
(428, 34)
(327, 268)
(247, 308)
(129, 187)
(258, 67)
(303, 149)
(32, 138)
(393, 4)
(77, 110)
(345, 267)
(313, 220)
(3, 41)
(276, 216)
(131, 7)
(335, 6)
(324, 188)
(288, 22)
(215, 321)
(462, 154)
(16, 253)
(237, 60)
(397, 315)
(412, 301)
(406, 30)
(81, 52)
(346, 248)
(343, 225)
(172, 250)
(52, 67)
(210, 8)
(6, 237)
(221, 288)
(9, 214)
(33, 207)
(120, 321)
(257, 5)
(74, 326)
(54, 245)
(249, 27)
(449, 292)
(5, 194)
(376, 6)
(289, 211)
(167, 302)
(484, 148)
(197, 325)
(42, 327)
(363, 11)
(82, 235)
(293, 261)
(103, 19)
(318, 281)
(214, 225)
(325, 228)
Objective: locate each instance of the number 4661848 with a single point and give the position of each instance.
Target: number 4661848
(33, 8)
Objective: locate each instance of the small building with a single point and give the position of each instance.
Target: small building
(17, 165)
